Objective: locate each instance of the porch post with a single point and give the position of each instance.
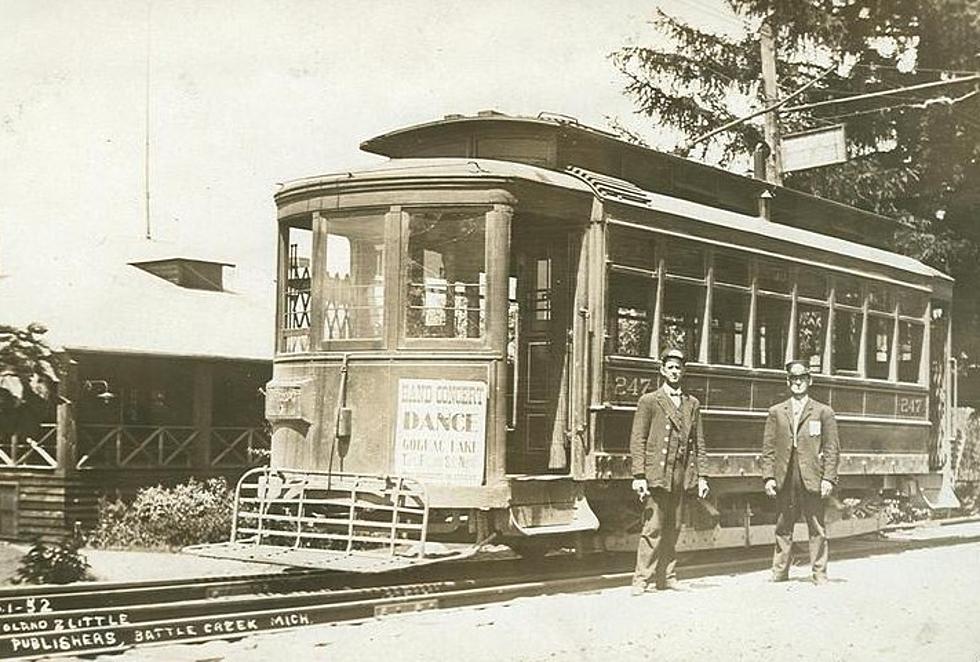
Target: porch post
(66, 451)
(202, 416)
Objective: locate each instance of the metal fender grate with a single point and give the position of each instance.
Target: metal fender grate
(351, 514)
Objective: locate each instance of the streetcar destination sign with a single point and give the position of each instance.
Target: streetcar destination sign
(440, 433)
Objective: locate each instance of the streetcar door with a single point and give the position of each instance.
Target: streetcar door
(539, 349)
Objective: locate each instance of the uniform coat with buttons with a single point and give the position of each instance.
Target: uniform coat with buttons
(667, 448)
(817, 444)
(663, 434)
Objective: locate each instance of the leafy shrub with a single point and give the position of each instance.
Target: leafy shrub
(59, 563)
(191, 513)
(28, 376)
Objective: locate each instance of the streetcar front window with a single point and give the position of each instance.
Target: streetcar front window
(352, 289)
(445, 274)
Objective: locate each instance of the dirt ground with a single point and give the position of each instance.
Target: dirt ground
(917, 605)
(110, 565)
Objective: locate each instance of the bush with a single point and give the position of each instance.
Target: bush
(159, 517)
(60, 563)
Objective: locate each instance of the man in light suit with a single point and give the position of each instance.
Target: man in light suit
(668, 459)
(800, 454)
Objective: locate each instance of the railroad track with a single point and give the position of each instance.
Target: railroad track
(91, 619)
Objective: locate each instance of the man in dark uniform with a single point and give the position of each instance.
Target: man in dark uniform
(800, 454)
(668, 459)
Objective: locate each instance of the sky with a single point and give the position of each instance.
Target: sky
(246, 94)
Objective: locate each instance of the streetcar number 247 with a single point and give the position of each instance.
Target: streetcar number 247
(635, 386)
(911, 406)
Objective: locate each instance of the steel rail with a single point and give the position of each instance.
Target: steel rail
(88, 630)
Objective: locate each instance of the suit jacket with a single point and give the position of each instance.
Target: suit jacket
(817, 444)
(662, 432)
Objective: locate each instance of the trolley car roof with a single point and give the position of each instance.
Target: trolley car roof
(607, 189)
(556, 141)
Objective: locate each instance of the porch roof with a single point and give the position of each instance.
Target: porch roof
(91, 302)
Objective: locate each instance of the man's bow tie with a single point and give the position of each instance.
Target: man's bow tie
(673, 392)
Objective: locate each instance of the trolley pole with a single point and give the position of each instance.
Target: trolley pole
(770, 89)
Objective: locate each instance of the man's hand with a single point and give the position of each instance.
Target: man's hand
(826, 487)
(771, 488)
(703, 488)
(640, 487)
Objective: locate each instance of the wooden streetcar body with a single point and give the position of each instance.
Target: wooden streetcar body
(481, 313)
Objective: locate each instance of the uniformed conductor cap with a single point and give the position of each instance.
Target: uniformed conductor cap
(673, 353)
(797, 368)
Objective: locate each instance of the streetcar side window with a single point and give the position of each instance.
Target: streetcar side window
(683, 307)
(729, 326)
(683, 298)
(911, 326)
(909, 350)
(632, 278)
(445, 274)
(632, 311)
(880, 331)
(352, 289)
(847, 340)
(811, 333)
(773, 307)
(296, 278)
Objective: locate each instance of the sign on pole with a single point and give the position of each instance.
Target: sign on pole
(814, 148)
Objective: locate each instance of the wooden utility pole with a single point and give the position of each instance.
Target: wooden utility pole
(770, 89)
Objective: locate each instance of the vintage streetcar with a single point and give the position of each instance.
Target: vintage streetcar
(463, 332)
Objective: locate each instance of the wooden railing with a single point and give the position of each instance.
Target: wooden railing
(167, 447)
(24, 452)
(238, 447)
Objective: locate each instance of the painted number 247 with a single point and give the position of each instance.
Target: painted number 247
(635, 386)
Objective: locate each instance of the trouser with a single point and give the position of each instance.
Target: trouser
(656, 558)
(790, 501)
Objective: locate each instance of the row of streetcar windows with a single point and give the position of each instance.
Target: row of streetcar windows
(834, 318)
(335, 276)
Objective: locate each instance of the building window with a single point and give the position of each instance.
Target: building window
(683, 306)
(353, 287)
(446, 274)
(296, 310)
(729, 326)
(909, 351)
(631, 313)
(879, 346)
(847, 341)
(771, 331)
(811, 331)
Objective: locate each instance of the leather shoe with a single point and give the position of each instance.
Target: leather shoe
(777, 579)
(675, 586)
(638, 590)
(820, 580)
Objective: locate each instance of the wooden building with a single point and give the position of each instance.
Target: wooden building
(166, 365)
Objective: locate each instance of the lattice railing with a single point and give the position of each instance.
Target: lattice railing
(135, 446)
(167, 447)
(238, 447)
(26, 452)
